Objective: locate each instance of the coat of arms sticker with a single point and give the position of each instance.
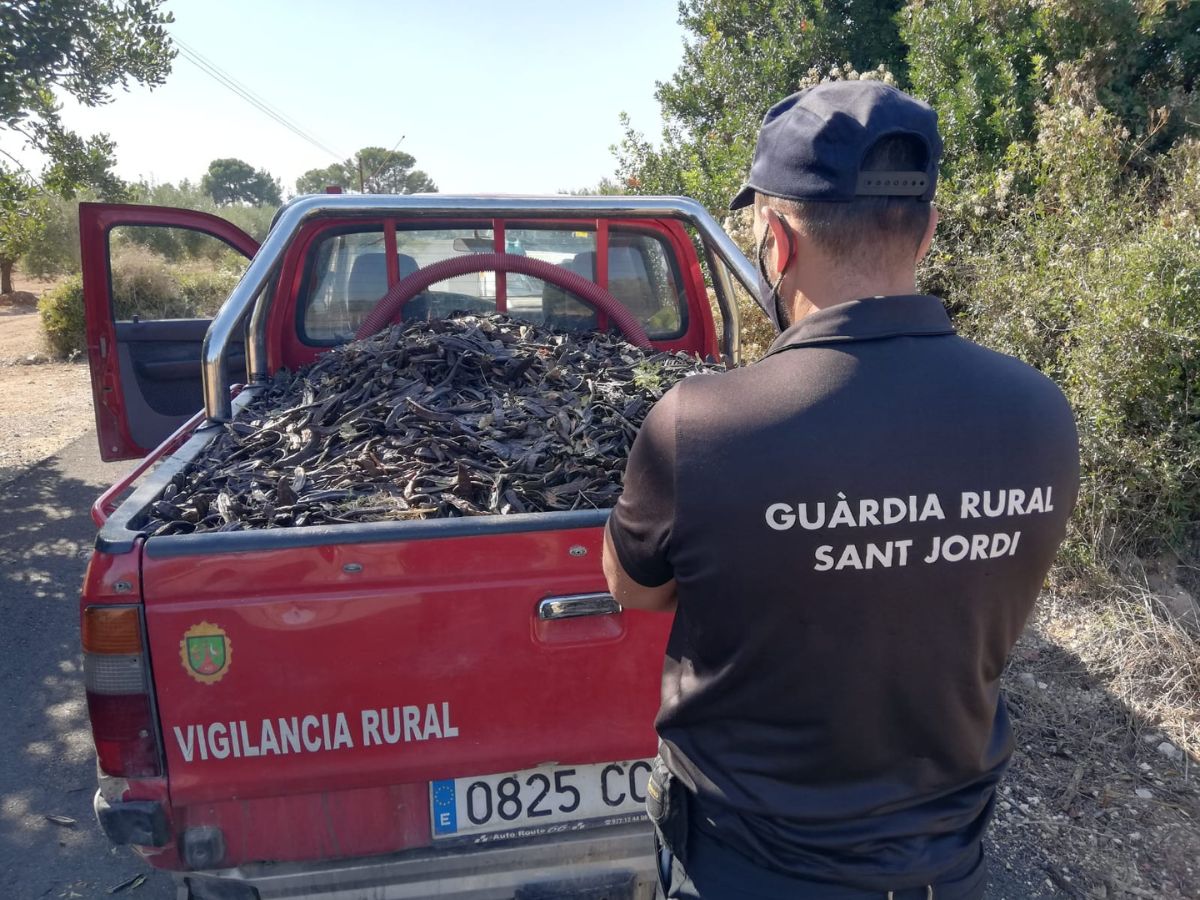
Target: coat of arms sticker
(206, 651)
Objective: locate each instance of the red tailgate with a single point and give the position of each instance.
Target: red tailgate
(432, 646)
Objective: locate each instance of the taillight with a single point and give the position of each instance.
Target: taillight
(115, 674)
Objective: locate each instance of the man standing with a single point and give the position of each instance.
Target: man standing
(851, 533)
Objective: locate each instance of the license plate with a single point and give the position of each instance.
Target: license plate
(539, 801)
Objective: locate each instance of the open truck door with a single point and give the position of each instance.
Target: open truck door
(152, 279)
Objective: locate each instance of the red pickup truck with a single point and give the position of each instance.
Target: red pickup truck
(397, 709)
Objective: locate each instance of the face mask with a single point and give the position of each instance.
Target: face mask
(768, 294)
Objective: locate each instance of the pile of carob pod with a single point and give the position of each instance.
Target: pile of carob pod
(464, 416)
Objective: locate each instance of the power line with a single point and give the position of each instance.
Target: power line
(228, 81)
(250, 97)
(224, 78)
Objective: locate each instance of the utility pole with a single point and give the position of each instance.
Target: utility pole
(361, 189)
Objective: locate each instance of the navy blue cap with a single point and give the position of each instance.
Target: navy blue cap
(812, 144)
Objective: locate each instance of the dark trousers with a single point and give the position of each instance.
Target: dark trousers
(716, 872)
(693, 865)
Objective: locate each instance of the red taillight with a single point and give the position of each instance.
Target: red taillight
(118, 691)
(122, 726)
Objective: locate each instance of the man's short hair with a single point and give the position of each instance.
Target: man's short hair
(867, 232)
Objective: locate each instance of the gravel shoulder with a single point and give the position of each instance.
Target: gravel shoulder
(43, 405)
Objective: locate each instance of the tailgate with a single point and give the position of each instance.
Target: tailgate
(300, 669)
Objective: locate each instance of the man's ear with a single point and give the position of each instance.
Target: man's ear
(929, 230)
(781, 236)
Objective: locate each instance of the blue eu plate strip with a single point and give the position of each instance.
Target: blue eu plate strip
(445, 816)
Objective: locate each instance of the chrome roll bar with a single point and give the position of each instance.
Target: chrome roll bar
(723, 256)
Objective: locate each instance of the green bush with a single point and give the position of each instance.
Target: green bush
(1084, 260)
(61, 311)
(203, 292)
(1133, 369)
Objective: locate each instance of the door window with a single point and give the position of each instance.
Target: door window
(160, 272)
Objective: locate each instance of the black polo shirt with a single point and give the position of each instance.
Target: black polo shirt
(858, 526)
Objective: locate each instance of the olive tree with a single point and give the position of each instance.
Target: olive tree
(84, 49)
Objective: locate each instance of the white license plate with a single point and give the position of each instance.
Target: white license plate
(538, 801)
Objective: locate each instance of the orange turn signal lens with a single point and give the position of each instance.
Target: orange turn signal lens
(112, 629)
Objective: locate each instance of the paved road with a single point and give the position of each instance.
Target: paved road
(47, 765)
(46, 757)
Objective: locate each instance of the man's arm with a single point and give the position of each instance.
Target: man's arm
(637, 538)
(629, 593)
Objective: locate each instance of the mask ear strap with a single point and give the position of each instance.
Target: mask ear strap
(783, 242)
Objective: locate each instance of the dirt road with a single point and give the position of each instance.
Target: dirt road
(43, 406)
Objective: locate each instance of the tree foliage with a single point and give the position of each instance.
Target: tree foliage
(85, 49)
(235, 181)
(373, 170)
(314, 181)
(55, 249)
(741, 56)
(173, 243)
(986, 65)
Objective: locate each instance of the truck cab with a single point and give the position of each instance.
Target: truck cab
(391, 709)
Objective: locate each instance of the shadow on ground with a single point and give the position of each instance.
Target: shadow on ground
(48, 762)
(1092, 802)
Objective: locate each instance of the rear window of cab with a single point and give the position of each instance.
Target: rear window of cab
(346, 273)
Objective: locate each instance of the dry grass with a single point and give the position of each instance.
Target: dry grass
(1137, 645)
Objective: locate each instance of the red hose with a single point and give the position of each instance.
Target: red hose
(591, 293)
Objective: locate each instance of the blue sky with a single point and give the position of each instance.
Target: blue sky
(521, 96)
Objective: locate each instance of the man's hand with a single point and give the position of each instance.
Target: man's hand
(628, 592)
